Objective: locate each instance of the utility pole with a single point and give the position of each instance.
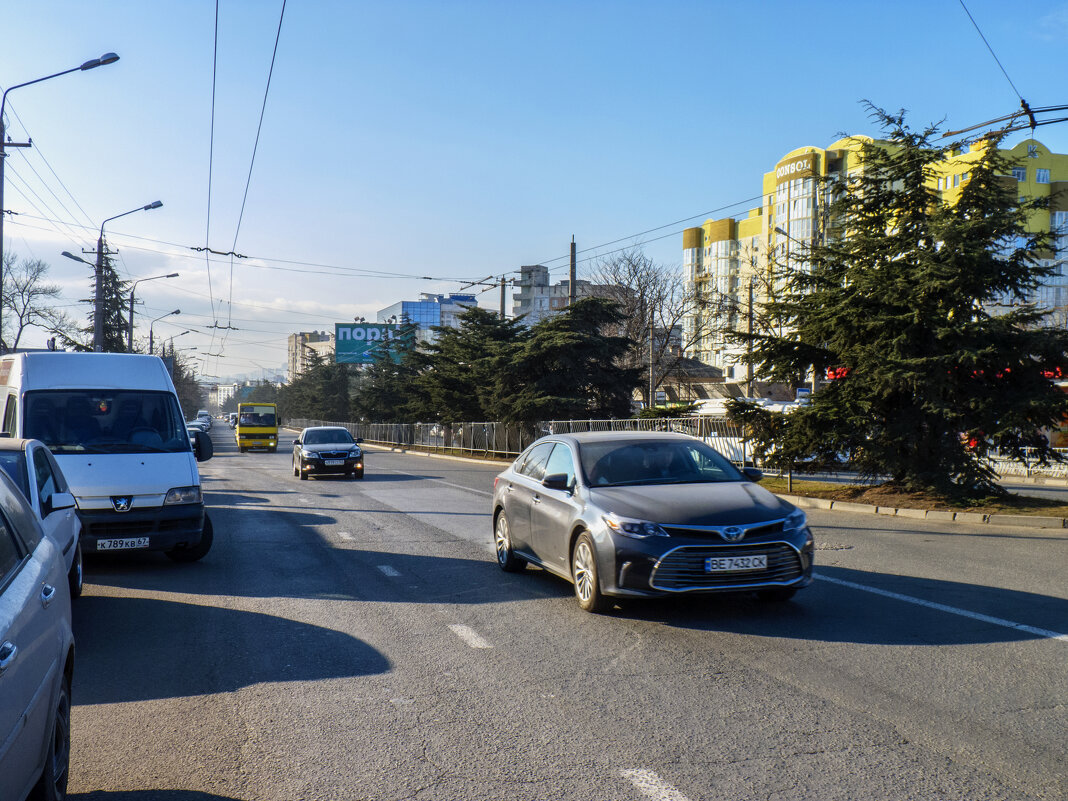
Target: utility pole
(502, 297)
(652, 381)
(749, 346)
(571, 275)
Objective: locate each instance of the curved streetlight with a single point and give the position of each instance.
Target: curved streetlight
(107, 58)
(98, 301)
(133, 288)
(168, 314)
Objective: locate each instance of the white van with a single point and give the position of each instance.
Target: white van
(114, 425)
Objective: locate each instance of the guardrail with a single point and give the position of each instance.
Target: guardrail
(508, 440)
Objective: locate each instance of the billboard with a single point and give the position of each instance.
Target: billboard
(364, 343)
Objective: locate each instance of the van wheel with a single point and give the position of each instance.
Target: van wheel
(198, 551)
(52, 785)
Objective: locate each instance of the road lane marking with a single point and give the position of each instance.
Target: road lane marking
(469, 636)
(484, 493)
(652, 786)
(389, 571)
(346, 536)
(953, 610)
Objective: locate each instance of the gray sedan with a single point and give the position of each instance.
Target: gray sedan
(634, 514)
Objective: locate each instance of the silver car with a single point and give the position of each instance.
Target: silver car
(30, 464)
(634, 514)
(36, 655)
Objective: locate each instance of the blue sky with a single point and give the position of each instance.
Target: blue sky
(454, 140)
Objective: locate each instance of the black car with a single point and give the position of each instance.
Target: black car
(327, 449)
(634, 514)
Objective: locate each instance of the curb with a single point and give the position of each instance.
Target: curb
(1024, 521)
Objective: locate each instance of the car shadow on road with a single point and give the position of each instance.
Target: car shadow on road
(830, 610)
(149, 795)
(137, 649)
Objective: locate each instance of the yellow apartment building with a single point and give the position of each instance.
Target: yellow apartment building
(723, 258)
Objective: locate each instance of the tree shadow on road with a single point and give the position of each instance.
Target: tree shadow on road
(149, 795)
(136, 649)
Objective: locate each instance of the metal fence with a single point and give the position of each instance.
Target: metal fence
(508, 440)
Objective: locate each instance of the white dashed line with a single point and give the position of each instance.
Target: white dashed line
(389, 571)
(953, 610)
(346, 536)
(469, 636)
(652, 786)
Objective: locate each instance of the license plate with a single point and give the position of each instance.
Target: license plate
(735, 564)
(118, 545)
(333, 462)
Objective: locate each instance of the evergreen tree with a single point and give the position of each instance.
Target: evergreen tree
(901, 298)
(458, 374)
(568, 368)
(116, 298)
(385, 391)
(320, 393)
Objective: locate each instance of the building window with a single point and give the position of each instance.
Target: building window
(1019, 173)
(940, 183)
(1041, 176)
(956, 180)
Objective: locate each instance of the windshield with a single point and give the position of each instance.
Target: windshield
(256, 416)
(328, 437)
(13, 463)
(613, 464)
(106, 421)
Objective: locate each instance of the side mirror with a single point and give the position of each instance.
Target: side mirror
(753, 473)
(61, 500)
(203, 448)
(297, 441)
(359, 440)
(556, 481)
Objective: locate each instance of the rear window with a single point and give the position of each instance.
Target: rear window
(106, 421)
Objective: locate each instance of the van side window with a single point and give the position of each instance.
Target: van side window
(11, 415)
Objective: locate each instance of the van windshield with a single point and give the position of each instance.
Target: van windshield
(106, 421)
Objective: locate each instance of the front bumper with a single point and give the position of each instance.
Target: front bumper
(166, 527)
(318, 466)
(670, 566)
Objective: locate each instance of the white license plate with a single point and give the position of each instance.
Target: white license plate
(735, 564)
(118, 545)
(333, 462)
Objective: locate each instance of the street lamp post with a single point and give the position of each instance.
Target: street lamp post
(107, 58)
(133, 288)
(150, 340)
(98, 304)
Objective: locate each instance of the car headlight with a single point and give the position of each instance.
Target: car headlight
(309, 454)
(182, 495)
(356, 453)
(628, 527)
(796, 521)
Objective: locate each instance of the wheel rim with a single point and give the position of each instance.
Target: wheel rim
(61, 748)
(500, 538)
(584, 571)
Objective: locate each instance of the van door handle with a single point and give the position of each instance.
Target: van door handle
(7, 655)
(48, 594)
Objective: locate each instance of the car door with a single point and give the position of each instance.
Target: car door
(32, 585)
(552, 510)
(519, 493)
(46, 480)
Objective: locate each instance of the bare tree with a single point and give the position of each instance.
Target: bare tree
(29, 301)
(656, 300)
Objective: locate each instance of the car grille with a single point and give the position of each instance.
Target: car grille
(684, 568)
(333, 454)
(702, 532)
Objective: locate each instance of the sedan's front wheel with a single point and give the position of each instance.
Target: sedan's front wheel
(584, 574)
(506, 558)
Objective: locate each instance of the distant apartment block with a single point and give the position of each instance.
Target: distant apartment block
(300, 348)
(536, 298)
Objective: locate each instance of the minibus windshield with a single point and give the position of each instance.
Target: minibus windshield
(106, 421)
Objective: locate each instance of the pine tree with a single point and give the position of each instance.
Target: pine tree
(569, 369)
(901, 299)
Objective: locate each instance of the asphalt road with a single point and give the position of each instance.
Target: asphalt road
(355, 640)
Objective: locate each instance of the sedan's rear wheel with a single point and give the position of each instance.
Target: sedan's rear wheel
(506, 558)
(53, 783)
(584, 574)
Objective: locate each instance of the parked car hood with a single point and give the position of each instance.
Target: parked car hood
(730, 503)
